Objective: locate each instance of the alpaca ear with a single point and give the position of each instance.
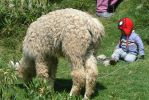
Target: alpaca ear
(13, 64)
(17, 65)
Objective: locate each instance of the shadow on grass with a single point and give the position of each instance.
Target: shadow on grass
(62, 85)
(66, 84)
(54, 1)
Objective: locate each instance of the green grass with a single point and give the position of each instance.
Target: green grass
(125, 81)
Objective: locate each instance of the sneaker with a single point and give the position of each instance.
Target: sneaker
(113, 62)
(104, 14)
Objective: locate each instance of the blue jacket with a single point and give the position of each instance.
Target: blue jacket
(133, 44)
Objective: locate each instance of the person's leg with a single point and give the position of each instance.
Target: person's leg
(102, 8)
(112, 2)
(117, 54)
(130, 58)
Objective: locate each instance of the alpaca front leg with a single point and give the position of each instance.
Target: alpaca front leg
(78, 78)
(42, 69)
(91, 76)
(42, 72)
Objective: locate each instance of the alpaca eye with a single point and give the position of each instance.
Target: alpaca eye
(120, 23)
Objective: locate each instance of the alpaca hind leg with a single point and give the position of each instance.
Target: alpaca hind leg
(91, 75)
(78, 76)
(74, 47)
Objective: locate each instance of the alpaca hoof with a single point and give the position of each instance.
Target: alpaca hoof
(85, 98)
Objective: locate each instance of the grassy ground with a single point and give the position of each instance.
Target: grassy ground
(121, 82)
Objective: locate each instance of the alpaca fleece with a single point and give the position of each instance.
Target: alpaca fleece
(70, 33)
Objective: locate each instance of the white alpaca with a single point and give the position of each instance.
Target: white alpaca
(70, 33)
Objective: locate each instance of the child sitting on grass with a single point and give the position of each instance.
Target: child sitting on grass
(130, 46)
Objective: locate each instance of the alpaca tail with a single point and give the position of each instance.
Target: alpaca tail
(96, 29)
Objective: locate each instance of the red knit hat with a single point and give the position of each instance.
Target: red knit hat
(126, 25)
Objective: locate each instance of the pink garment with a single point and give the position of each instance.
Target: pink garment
(102, 5)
